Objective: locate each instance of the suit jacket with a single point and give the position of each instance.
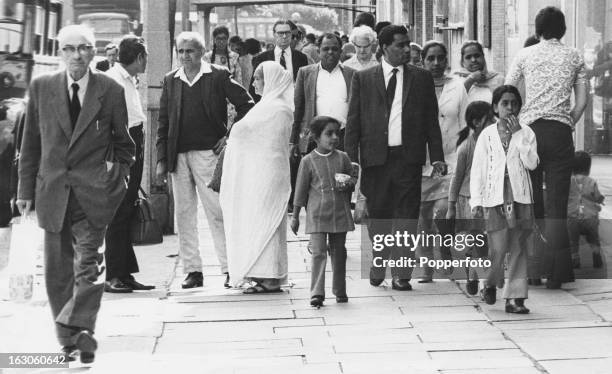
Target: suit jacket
(306, 101)
(366, 136)
(217, 88)
(103, 65)
(55, 159)
(298, 60)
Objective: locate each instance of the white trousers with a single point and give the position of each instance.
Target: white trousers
(194, 170)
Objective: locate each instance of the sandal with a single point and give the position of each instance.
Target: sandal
(489, 294)
(259, 288)
(317, 301)
(472, 287)
(517, 307)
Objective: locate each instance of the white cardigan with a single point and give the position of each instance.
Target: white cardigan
(489, 164)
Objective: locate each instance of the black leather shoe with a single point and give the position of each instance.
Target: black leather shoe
(226, 284)
(597, 261)
(553, 285)
(87, 344)
(317, 301)
(472, 287)
(115, 285)
(489, 294)
(194, 279)
(401, 284)
(70, 352)
(342, 299)
(136, 286)
(518, 307)
(373, 280)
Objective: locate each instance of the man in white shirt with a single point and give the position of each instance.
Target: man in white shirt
(120, 258)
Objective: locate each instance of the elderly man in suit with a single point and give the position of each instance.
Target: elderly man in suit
(282, 53)
(192, 132)
(393, 120)
(321, 90)
(75, 157)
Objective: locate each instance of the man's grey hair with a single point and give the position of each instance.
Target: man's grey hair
(362, 31)
(81, 30)
(190, 36)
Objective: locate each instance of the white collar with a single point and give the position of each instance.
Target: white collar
(338, 67)
(324, 154)
(387, 68)
(204, 69)
(278, 50)
(121, 70)
(81, 82)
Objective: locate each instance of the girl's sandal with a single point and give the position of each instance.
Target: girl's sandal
(259, 288)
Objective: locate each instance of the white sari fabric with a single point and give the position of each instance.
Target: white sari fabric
(256, 183)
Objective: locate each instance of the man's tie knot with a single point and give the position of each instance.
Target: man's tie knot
(75, 88)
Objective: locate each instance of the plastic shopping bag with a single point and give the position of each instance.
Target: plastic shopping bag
(26, 239)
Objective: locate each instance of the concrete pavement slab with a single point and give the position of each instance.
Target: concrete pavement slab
(591, 366)
(496, 313)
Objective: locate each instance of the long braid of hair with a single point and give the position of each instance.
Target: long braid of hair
(212, 58)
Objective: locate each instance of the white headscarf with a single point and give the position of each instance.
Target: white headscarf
(278, 84)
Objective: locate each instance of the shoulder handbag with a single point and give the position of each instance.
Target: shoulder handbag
(145, 229)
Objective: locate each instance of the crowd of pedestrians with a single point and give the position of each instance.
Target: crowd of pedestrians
(306, 124)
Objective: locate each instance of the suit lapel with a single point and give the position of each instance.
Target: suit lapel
(177, 86)
(91, 106)
(379, 77)
(347, 79)
(61, 103)
(312, 88)
(407, 84)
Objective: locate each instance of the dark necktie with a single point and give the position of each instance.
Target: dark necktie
(282, 60)
(75, 105)
(391, 89)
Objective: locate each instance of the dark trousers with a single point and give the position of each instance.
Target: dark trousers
(589, 227)
(72, 267)
(556, 153)
(337, 250)
(120, 257)
(393, 193)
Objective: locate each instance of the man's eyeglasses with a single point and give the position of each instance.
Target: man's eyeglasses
(82, 48)
(283, 34)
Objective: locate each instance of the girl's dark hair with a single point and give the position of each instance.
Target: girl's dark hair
(582, 163)
(501, 90)
(431, 44)
(471, 43)
(317, 125)
(531, 40)
(475, 111)
(252, 46)
(217, 31)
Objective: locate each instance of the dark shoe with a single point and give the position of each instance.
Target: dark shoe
(401, 284)
(534, 281)
(576, 262)
(489, 295)
(317, 301)
(472, 287)
(260, 288)
(342, 299)
(373, 280)
(226, 284)
(87, 344)
(135, 285)
(193, 279)
(518, 307)
(597, 261)
(553, 285)
(70, 352)
(115, 285)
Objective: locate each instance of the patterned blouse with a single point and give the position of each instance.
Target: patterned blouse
(550, 70)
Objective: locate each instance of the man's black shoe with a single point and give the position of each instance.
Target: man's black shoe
(226, 284)
(401, 284)
(135, 285)
(375, 281)
(115, 285)
(194, 279)
(553, 285)
(71, 352)
(87, 344)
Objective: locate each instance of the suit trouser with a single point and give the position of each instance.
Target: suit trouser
(511, 241)
(556, 153)
(337, 250)
(589, 227)
(72, 268)
(393, 193)
(194, 169)
(120, 257)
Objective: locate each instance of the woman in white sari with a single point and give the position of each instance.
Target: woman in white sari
(255, 184)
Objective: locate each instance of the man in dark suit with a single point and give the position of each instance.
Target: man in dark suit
(393, 119)
(192, 131)
(74, 161)
(112, 52)
(321, 90)
(282, 53)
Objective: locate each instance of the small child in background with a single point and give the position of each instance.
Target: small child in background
(477, 117)
(583, 208)
(324, 184)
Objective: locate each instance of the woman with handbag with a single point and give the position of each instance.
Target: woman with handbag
(255, 187)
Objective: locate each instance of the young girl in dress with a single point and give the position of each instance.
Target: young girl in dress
(324, 184)
(477, 117)
(500, 190)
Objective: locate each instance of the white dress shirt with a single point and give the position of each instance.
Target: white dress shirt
(288, 58)
(204, 68)
(82, 86)
(332, 94)
(135, 112)
(395, 117)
